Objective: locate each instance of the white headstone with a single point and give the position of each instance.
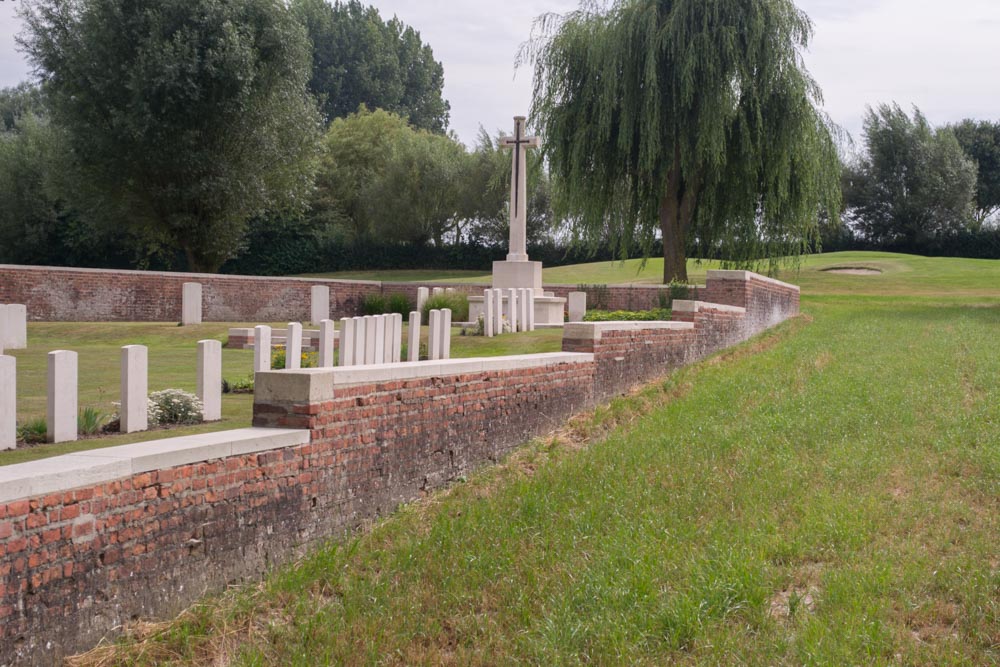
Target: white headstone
(360, 338)
(14, 330)
(434, 336)
(135, 389)
(488, 318)
(379, 339)
(293, 346)
(522, 313)
(512, 310)
(498, 311)
(438, 291)
(326, 336)
(413, 339)
(320, 304)
(397, 338)
(262, 349)
(210, 379)
(61, 412)
(370, 335)
(3, 327)
(577, 306)
(191, 304)
(8, 402)
(445, 334)
(423, 293)
(531, 309)
(347, 329)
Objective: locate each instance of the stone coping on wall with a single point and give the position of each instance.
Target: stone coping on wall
(319, 384)
(747, 276)
(64, 473)
(698, 306)
(594, 330)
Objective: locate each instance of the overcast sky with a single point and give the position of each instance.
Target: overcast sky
(943, 57)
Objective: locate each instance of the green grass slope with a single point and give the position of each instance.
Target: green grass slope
(828, 494)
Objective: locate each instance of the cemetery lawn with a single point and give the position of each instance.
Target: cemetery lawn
(827, 493)
(901, 274)
(172, 364)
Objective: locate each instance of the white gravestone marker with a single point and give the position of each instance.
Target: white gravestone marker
(13, 327)
(445, 334)
(191, 304)
(531, 309)
(498, 311)
(397, 343)
(413, 340)
(522, 314)
(577, 306)
(293, 346)
(370, 340)
(360, 334)
(8, 402)
(210, 379)
(319, 304)
(434, 335)
(326, 336)
(347, 329)
(423, 293)
(488, 318)
(512, 309)
(135, 389)
(379, 339)
(62, 399)
(438, 291)
(262, 349)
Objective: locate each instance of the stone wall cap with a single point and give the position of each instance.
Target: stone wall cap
(594, 330)
(72, 471)
(719, 274)
(315, 385)
(697, 306)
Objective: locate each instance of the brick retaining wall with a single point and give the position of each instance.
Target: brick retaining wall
(57, 294)
(92, 540)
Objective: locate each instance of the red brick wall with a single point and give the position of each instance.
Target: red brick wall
(97, 295)
(74, 566)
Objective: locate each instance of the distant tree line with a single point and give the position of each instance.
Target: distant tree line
(920, 189)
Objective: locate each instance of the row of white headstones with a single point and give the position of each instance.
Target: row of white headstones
(515, 305)
(62, 404)
(364, 341)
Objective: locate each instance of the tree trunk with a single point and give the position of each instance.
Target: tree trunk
(674, 256)
(198, 264)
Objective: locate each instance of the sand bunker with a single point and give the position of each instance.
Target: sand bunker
(854, 272)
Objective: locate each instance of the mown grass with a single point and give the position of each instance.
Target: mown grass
(828, 494)
(172, 364)
(902, 274)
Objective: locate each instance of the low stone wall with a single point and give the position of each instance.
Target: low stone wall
(56, 294)
(92, 540)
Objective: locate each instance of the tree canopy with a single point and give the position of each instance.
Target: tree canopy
(913, 183)
(358, 58)
(694, 118)
(182, 118)
(980, 139)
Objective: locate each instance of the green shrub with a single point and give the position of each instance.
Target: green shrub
(33, 432)
(242, 385)
(399, 303)
(90, 420)
(655, 315)
(308, 359)
(374, 304)
(174, 406)
(456, 301)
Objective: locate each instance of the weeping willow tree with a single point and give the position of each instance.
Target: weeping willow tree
(696, 119)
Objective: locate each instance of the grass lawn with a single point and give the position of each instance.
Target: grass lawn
(828, 494)
(901, 274)
(172, 364)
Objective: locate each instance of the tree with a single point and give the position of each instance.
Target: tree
(360, 59)
(981, 142)
(381, 178)
(18, 102)
(914, 184)
(183, 118)
(694, 118)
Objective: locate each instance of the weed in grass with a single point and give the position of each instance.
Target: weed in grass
(90, 421)
(33, 431)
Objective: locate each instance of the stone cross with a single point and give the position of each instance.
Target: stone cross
(519, 189)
